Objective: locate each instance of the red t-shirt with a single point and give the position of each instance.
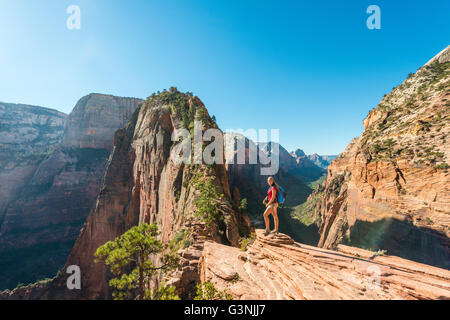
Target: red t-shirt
(269, 193)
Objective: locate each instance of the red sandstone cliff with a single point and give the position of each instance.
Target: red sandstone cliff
(390, 188)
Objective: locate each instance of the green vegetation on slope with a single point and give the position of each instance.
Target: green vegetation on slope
(403, 130)
(207, 291)
(185, 106)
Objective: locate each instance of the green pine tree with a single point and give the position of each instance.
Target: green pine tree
(128, 259)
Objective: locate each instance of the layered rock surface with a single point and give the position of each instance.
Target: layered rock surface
(390, 188)
(276, 267)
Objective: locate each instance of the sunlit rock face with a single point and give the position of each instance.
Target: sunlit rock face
(275, 267)
(390, 188)
(94, 120)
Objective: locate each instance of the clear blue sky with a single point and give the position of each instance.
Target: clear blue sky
(310, 68)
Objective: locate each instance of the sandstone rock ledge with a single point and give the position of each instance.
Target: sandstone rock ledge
(275, 267)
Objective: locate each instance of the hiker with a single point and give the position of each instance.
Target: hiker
(271, 203)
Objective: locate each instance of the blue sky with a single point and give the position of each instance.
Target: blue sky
(309, 68)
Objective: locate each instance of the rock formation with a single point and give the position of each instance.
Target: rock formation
(143, 183)
(27, 135)
(41, 223)
(390, 188)
(387, 191)
(276, 267)
(94, 120)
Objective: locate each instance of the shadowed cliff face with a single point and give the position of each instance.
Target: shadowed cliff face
(143, 184)
(390, 188)
(41, 224)
(27, 135)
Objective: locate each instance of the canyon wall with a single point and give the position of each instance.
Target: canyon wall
(94, 120)
(27, 135)
(42, 222)
(144, 184)
(390, 188)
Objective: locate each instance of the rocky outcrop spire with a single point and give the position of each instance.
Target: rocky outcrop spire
(142, 183)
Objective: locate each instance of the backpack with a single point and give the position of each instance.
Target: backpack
(281, 195)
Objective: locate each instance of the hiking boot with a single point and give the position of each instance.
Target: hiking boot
(266, 233)
(274, 231)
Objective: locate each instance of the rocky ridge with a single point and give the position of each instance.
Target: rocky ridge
(143, 184)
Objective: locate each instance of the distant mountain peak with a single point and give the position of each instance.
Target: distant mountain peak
(299, 153)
